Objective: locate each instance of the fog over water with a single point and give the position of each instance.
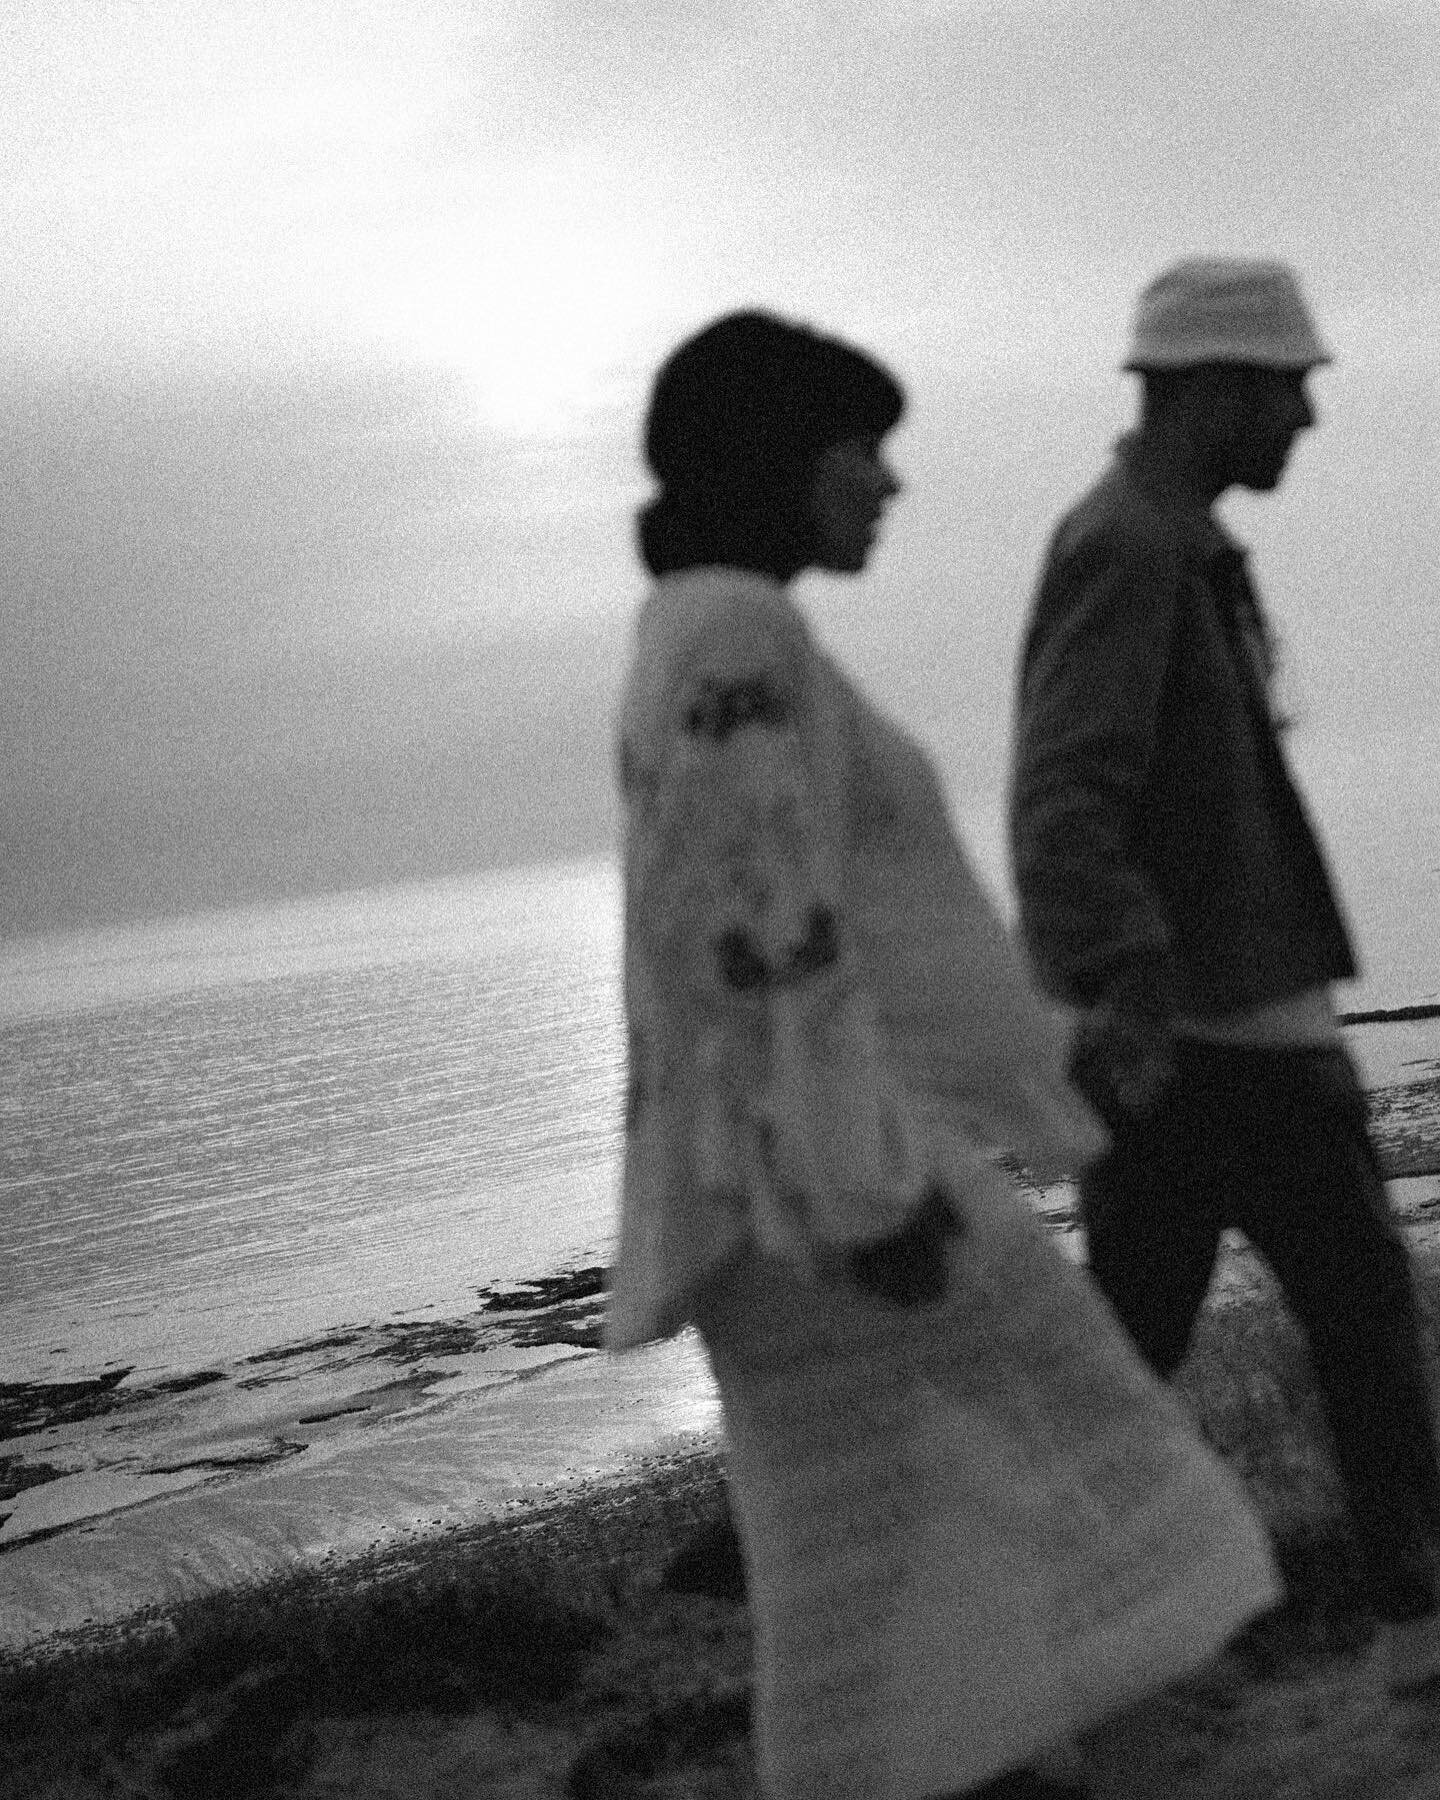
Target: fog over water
(325, 340)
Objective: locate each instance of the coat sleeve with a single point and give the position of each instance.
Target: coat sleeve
(734, 901)
(1091, 690)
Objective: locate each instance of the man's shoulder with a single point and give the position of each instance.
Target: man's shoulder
(1115, 517)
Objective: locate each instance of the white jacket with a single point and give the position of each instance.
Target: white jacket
(812, 972)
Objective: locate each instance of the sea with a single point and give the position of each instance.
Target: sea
(248, 1159)
(230, 1131)
(236, 1130)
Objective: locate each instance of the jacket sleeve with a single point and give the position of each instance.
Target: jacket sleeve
(736, 903)
(1091, 689)
(729, 867)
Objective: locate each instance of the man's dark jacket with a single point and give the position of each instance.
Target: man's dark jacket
(1162, 854)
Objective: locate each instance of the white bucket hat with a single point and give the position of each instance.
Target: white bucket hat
(1224, 309)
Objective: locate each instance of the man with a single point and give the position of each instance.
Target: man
(1172, 889)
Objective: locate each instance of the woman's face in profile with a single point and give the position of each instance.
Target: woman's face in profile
(849, 491)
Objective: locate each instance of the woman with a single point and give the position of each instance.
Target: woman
(973, 1525)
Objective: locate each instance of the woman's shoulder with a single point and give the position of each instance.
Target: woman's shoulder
(714, 630)
(712, 609)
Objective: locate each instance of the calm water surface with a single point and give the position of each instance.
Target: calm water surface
(220, 1133)
(223, 1133)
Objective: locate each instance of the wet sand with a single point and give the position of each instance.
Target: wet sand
(118, 1494)
(118, 1497)
(550, 1658)
(273, 1577)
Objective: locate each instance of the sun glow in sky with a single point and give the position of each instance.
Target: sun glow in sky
(325, 330)
(354, 180)
(542, 307)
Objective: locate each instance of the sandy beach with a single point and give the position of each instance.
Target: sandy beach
(118, 1494)
(547, 1653)
(434, 1557)
(122, 1491)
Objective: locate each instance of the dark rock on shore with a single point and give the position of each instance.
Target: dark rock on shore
(335, 1340)
(29, 1406)
(411, 1341)
(566, 1308)
(16, 1475)
(546, 1290)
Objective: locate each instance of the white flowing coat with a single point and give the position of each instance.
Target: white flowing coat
(976, 1527)
(788, 1113)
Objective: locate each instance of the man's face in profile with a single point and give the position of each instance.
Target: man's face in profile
(1257, 414)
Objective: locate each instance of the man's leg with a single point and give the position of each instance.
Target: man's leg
(1152, 1222)
(1317, 1210)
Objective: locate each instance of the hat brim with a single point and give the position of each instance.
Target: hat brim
(1293, 365)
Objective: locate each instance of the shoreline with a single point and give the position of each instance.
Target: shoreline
(563, 1307)
(544, 1654)
(113, 1497)
(330, 1447)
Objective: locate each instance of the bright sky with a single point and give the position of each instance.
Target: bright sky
(325, 330)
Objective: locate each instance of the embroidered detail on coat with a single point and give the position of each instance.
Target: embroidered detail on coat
(743, 968)
(820, 948)
(722, 707)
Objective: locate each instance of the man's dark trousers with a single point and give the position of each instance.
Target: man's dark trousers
(1274, 1141)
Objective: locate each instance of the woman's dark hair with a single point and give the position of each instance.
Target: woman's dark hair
(738, 415)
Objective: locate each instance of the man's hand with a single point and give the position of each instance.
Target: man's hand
(908, 1268)
(1122, 1060)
